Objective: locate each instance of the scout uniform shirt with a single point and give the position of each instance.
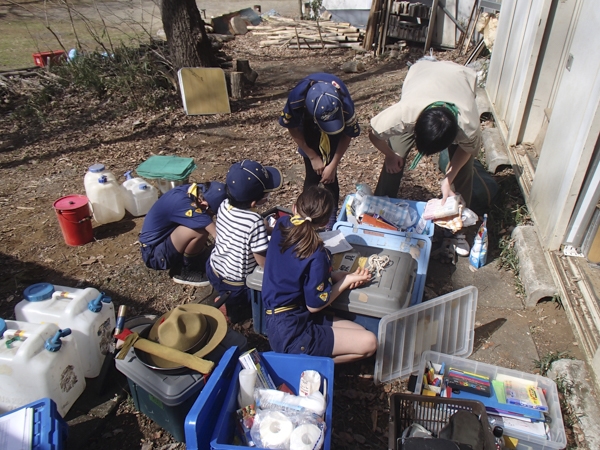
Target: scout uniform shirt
(428, 82)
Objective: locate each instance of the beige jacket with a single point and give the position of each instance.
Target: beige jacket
(428, 82)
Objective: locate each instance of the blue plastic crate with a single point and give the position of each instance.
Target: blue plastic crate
(418, 206)
(392, 240)
(49, 430)
(282, 368)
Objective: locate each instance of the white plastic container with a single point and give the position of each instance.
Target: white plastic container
(37, 362)
(138, 195)
(87, 312)
(104, 194)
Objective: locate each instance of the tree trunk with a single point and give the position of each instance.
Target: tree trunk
(186, 35)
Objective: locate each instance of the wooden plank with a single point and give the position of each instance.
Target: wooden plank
(431, 25)
(371, 25)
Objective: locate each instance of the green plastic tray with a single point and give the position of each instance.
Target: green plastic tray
(172, 168)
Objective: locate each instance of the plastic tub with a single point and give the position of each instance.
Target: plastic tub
(282, 368)
(417, 206)
(558, 439)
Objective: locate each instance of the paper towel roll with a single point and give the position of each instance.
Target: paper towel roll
(247, 382)
(306, 437)
(275, 429)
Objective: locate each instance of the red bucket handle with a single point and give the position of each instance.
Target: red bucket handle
(77, 221)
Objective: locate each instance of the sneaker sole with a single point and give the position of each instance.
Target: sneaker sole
(192, 283)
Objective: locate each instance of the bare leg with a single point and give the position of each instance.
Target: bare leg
(188, 241)
(351, 342)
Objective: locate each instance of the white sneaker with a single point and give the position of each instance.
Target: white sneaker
(461, 245)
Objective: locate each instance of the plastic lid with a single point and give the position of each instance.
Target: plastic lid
(103, 179)
(143, 186)
(96, 168)
(71, 202)
(3, 327)
(39, 292)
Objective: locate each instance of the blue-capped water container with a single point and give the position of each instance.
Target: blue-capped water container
(138, 195)
(36, 361)
(87, 312)
(104, 194)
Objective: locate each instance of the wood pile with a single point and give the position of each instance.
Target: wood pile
(307, 34)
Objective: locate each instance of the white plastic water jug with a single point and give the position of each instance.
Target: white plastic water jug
(36, 361)
(87, 312)
(138, 195)
(104, 194)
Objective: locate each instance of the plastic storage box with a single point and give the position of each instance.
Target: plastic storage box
(558, 439)
(282, 368)
(444, 324)
(168, 171)
(167, 399)
(433, 413)
(48, 431)
(44, 59)
(393, 240)
(418, 206)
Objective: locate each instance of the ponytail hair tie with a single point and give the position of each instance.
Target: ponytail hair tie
(297, 220)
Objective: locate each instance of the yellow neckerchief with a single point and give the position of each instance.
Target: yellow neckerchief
(325, 147)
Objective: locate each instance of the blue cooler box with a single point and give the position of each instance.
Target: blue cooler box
(48, 431)
(221, 394)
(167, 398)
(417, 206)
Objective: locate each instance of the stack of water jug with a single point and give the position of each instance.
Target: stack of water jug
(109, 199)
(60, 337)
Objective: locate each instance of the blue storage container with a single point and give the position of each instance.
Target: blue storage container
(48, 432)
(418, 206)
(283, 368)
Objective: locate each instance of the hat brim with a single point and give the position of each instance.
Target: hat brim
(218, 329)
(275, 180)
(334, 126)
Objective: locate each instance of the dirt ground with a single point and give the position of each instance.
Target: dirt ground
(41, 161)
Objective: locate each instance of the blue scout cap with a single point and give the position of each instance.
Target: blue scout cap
(249, 180)
(323, 102)
(214, 195)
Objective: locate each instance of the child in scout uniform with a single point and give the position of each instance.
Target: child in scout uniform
(298, 283)
(241, 242)
(176, 229)
(319, 115)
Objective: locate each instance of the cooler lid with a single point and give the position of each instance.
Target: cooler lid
(71, 202)
(38, 292)
(200, 423)
(96, 168)
(445, 325)
(173, 168)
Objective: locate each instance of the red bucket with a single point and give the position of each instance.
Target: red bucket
(75, 219)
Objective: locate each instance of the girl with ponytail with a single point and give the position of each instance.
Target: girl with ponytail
(299, 283)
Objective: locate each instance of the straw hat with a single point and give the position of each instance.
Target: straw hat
(192, 328)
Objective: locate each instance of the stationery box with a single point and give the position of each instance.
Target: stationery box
(557, 437)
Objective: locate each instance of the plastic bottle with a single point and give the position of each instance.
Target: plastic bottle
(478, 255)
(38, 360)
(87, 312)
(104, 194)
(138, 196)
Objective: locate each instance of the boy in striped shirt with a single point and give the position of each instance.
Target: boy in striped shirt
(241, 241)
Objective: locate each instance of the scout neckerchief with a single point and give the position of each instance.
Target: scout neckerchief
(452, 107)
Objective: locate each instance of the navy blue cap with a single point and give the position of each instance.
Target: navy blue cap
(214, 195)
(39, 292)
(249, 180)
(323, 102)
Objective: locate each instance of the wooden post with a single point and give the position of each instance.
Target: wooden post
(431, 25)
(467, 41)
(464, 35)
(371, 25)
(242, 65)
(297, 38)
(237, 85)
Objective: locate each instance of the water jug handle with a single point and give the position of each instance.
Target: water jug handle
(54, 343)
(128, 175)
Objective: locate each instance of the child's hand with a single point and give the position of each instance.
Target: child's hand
(358, 278)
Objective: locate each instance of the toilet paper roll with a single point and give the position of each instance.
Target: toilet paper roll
(306, 437)
(275, 430)
(247, 380)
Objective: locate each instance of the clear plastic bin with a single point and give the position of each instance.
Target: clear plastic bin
(558, 438)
